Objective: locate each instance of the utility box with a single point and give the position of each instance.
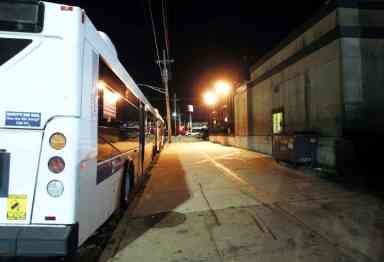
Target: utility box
(299, 148)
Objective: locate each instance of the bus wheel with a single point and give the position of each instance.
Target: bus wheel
(126, 188)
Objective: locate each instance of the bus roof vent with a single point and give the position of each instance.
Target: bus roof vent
(108, 41)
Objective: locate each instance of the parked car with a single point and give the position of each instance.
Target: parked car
(194, 132)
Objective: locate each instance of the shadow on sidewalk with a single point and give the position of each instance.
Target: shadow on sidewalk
(164, 190)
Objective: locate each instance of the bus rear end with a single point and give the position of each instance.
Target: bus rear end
(40, 98)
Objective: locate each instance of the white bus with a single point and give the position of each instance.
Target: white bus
(76, 133)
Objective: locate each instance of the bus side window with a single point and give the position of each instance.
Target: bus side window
(105, 150)
(128, 118)
(119, 115)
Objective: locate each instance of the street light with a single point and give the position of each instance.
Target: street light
(210, 98)
(223, 88)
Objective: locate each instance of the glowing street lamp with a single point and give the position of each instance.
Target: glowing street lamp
(210, 98)
(223, 88)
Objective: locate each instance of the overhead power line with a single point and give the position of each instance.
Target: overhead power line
(158, 89)
(163, 64)
(154, 32)
(165, 25)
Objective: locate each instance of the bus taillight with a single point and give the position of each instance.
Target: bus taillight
(66, 8)
(57, 141)
(56, 164)
(55, 188)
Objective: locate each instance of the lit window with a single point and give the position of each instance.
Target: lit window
(278, 120)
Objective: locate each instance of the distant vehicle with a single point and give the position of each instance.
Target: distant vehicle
(197, 131)
(76, 133)
(204, 134)
(194, 132)
(182, 131)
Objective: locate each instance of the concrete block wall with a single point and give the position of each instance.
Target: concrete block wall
(309, 91)
(241, 111)
(260, 109)
(363, 71)
(363, 81)
(318, 30)
(329, 78)
(262, 144)
(372, 56)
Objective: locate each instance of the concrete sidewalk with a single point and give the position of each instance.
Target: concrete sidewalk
(206, 202)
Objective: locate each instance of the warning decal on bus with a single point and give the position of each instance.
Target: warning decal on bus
(17, 207)
(26, 119)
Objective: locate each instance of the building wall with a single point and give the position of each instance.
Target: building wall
(305, 84)
(255, 143)
(309, 93)
(372, 54)
(318, 30)
(241, 111)
(362, 72)
(328, 78)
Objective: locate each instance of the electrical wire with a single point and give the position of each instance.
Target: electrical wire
(158, 89)
(165, 24)
(154, 32)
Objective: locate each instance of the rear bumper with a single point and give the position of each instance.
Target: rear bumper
(39, 241)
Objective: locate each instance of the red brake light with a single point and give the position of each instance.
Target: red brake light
(56, 164)
(66, 8)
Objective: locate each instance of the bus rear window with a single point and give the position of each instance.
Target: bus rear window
(21, 16)
(9, 47)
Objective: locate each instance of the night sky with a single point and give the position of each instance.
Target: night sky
(209, 39)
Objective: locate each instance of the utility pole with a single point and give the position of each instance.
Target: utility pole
(175, 112)
(179, 120)
(190, 121)
(165, 77)
(190, 111)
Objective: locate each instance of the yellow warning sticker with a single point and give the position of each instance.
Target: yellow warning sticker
(17, 207)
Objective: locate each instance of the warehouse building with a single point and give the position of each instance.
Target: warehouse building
(327, 78)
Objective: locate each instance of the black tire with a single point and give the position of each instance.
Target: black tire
(126, 187)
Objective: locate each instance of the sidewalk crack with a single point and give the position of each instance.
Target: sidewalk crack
(217, 222)
(213, 213)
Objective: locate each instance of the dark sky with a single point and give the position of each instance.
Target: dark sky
(210, 40)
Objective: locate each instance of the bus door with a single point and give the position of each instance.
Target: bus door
(142, 137)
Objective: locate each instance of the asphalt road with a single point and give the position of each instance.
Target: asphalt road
(207, 202)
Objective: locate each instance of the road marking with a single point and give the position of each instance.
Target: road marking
(218, 157)
(226, 170)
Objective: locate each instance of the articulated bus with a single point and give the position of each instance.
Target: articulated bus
(76, 133)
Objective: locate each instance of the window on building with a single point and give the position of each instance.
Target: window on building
(278, 122)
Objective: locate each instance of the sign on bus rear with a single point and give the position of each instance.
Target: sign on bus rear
(17, 207)
(25, 119)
